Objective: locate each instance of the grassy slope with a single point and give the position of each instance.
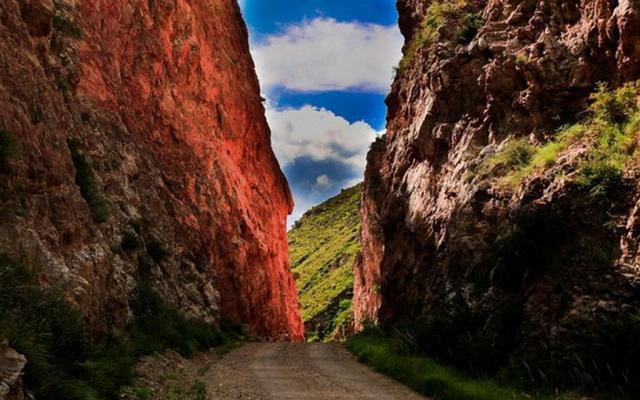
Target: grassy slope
(431, 378)
(322, 247)
(425, 375)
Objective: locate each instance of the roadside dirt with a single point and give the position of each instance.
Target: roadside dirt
(266, 371)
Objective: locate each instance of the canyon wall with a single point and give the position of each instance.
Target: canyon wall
(134, 146)
(531, 269)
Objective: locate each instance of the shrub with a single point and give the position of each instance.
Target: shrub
(615, 126)
(142, 393)
(199, 391)
(156, 250)
(600, 175)
(86, 181)
(344, 304)
(65, 26)
(63, 364)
(515, 155)
(615, 106)
(424, 374)
(130, 241)
(159, 327)
(40, 325)
(8, 146)
(521, 59)
(438, 15)
(610, 133)
(470, 24)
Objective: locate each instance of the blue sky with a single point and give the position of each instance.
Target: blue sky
(325, 67)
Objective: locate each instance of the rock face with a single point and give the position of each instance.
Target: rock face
(11, 366)
(134, 146)
(439, 241)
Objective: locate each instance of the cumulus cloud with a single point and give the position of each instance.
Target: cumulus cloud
(319, 134)
(323, 181)
(324, 54)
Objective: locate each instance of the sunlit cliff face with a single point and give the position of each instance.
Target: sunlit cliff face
(159, 105)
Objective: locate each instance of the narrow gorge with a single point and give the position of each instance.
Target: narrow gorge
(491, 253)
(134, 147)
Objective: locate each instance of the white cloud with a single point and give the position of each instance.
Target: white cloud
(323, 181)
(324, 54)
(319, 134)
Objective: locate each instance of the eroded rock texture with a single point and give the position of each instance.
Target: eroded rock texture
(12, 365)
(517, 265)
(135, 147)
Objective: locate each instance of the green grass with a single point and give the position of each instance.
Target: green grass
(424, 374)
(610, 134)
(322, 247)
(63, 363)
(86, 181)
(388, 355)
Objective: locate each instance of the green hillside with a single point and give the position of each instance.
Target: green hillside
(323, 245)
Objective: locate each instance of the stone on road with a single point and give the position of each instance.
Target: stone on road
(299, 371)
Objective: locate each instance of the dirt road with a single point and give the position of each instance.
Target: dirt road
(305, 371)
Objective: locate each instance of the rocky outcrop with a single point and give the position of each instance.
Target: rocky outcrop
(530, 269)
(134, 146)
(12, 364)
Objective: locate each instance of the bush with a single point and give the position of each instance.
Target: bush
(8, 146)
(514, 156)
(423, 374)
(130, 241)
(86, 181)
(65, 26)
(615, 106)
(158, 327)
(517, 153)
(156, 250)
(439, 14)
(470, 24)
(63, 364)
(45, 329)
(610, 133)
(615, 125)
(600, 175)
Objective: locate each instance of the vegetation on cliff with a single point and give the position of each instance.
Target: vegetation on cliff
(64, 363)
(458, 14)
(539, 243)
(89, 187)
(323, 245)
(609, 137)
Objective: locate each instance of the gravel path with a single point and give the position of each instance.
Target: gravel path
(297, 371)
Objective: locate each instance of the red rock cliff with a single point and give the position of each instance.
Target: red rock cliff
(524, 271)
(139, 148)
